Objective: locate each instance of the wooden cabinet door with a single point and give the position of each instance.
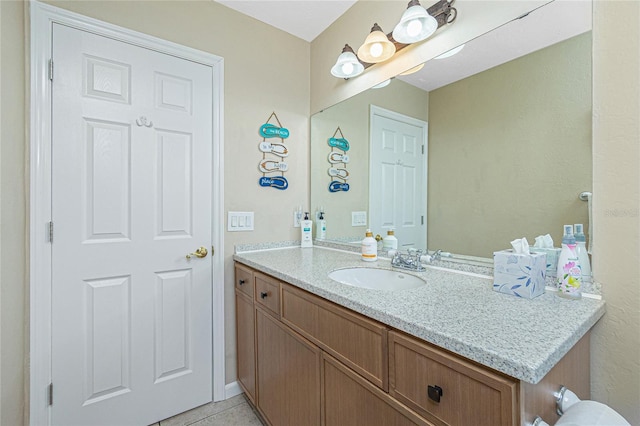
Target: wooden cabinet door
(245, 341)
(288, 374)
(357, 341)
(351, 400)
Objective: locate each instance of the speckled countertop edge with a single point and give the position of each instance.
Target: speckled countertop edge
(459, 312)
(471, 264)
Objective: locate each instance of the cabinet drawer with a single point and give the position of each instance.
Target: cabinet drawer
(469, 394)
(268, 292)
(355, 340)
(244, 280)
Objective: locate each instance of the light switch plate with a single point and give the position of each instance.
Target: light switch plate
(358, 218)
(239, 221)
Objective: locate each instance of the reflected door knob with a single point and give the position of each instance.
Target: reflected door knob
(200, 253)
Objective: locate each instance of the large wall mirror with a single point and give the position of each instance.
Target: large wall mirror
(507, 148)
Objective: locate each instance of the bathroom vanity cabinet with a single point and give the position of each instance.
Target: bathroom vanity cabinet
(304, 360)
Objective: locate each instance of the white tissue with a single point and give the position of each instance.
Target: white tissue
(544, 241)
(520, 246)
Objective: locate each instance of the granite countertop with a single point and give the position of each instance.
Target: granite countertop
(456, 310)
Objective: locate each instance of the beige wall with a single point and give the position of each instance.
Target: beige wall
(615, 346)
(13, 211)
(257, 82)
(510, 150)
(352, 116)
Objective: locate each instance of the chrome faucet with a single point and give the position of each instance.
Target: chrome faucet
(409, 260)
(436, 255)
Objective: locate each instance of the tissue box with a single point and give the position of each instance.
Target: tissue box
(521, 275)
(553, 254)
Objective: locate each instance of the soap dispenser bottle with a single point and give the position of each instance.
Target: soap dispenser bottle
(390, 242)
(581, 251)
(322, 226)
(306, 225)
(369, 247)
(569, 274)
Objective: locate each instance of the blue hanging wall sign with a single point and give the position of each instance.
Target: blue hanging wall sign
(339, 174)
(269, 164)
(337, 186)
(278, 182)
(268, 130)
(340, 143)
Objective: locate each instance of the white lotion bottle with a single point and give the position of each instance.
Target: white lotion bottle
(306, 226)
(369, 247)
(581, 251)
(322, 227)
(390, 242)
(569, 274)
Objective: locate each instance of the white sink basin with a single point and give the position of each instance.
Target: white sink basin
(376, 279)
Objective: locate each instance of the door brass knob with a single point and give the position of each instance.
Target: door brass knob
(200, 253)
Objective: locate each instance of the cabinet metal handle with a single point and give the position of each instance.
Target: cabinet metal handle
(263, 295)
(241, 282)
(434, 392)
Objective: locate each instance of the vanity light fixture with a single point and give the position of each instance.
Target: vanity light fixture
(415, 25)
(347, 64)
(376, 47)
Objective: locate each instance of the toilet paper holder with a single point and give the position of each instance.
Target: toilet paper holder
(565, 398)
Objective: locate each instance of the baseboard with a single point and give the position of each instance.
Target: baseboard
(232, 389)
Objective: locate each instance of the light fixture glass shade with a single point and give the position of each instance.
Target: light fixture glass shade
(414, 69)
(381, 85)
(450, 53)
(415, 25)
(376, 47)
(347, 64)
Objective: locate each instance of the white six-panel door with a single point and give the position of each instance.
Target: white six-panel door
(131, 197)
(397, 177)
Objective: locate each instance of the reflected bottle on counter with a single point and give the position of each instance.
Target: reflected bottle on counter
(581, 251)
(569, 273)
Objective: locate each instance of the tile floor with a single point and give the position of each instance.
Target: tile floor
(234, 411)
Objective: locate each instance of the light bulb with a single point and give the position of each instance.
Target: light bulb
(347, 68)
(414, 28)
(376, 50)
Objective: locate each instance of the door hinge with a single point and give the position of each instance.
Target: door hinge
(422, 149)
(421, 220)
(50, 393)
(51, 69)
(50, 232)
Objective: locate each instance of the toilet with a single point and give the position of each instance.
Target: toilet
(574, 412)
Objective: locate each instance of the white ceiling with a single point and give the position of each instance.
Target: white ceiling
(304, 19)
